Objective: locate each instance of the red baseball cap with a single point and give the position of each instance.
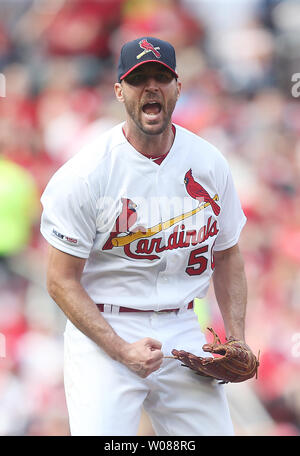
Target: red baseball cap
(144, 50)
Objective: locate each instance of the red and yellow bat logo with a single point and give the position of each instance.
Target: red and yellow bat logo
(124, 234)
(194, 189)
(148, 47)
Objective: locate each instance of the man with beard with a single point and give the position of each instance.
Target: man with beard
(128, 293)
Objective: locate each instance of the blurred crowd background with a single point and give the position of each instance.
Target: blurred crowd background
(239, 63)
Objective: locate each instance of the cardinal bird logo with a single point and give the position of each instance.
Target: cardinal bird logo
(148, 47)
(126, 219)
(196, 191)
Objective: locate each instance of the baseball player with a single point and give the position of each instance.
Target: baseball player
(137, 222)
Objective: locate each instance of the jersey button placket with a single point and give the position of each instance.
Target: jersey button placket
(163, 279)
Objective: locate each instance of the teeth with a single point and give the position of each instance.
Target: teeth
(155, 109)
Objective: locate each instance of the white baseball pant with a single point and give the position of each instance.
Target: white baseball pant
(105, 398)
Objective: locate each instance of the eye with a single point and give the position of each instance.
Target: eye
(140, 78)
(136, 79)
(164, 77)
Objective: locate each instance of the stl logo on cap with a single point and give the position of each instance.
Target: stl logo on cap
(148, 47)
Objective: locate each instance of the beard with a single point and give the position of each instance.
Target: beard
(147, 126)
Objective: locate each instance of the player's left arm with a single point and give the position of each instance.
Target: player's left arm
(230, 287)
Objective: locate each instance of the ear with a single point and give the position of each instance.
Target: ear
(178, 89)
(119, 92)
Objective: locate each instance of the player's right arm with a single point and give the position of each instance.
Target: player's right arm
(63, 282)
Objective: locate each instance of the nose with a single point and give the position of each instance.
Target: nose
(151, 84)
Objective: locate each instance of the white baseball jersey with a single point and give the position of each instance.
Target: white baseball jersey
(148, 231)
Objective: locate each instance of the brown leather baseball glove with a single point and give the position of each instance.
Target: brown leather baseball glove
(235, 362)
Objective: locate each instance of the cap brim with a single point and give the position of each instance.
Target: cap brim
(148, 61)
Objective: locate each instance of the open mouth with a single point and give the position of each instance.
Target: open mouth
(152, 108)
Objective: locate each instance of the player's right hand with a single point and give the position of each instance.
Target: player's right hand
(143, 357)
